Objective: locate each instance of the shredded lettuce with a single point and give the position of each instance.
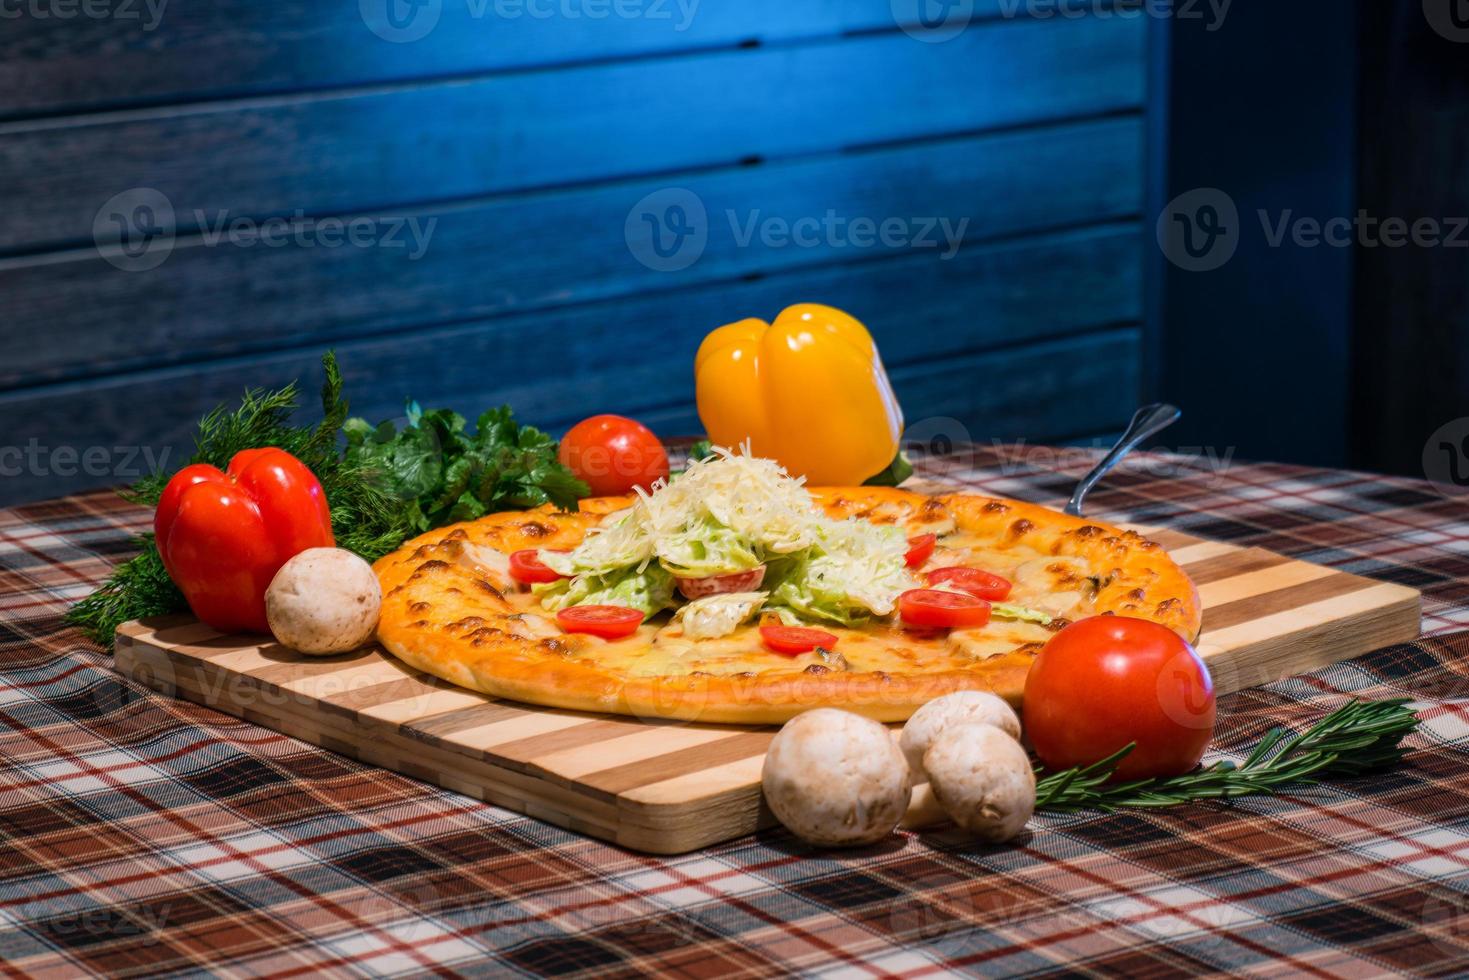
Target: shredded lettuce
(706, 547)
(718, 615)
(855, 569)
(732, 513)
(1006, 610)
(649, 590)
(617, 543)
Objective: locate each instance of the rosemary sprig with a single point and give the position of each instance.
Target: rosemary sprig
(1353, 739)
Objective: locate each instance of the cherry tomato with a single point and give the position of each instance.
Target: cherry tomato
(697, 588)
(980, 584)
(792, 640)
(920, 549)
(931, 608)
(526, 566)
(613, 455)
(1106, 681)
(608, 622)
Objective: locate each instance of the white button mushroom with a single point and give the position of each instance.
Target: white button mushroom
(836, 779)
(983, 780)
(959, 708)
(323, 601)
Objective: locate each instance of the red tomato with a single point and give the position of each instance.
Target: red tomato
(697, 588)
(526, 566)
(920, 549)
(608, 622)
(1106, 681)
(980, 584)
(796, 639)
(931, 608)
(613, 455)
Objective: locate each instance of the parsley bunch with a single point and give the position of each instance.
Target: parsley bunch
(442, 473)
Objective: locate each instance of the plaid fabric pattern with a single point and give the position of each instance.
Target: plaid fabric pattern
(146, 836)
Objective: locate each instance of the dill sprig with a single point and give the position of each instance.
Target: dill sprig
(365, 519)
(1358, 737)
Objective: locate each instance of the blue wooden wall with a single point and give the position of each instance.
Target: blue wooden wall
(539, 154)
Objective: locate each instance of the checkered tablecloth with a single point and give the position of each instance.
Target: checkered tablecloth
(141, 835)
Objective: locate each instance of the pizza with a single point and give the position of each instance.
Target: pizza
(734, 594)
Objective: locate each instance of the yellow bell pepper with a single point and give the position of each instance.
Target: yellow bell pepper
(808, 391)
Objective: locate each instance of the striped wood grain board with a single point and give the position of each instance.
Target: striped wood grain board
(667, 787)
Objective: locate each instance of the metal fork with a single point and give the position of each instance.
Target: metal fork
(1148, 422)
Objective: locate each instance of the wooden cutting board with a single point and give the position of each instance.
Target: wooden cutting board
(669, 787)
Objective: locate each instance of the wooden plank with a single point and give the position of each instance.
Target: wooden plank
(510, 256)
(149, 52)
(230, 48)
(1284, 642)
(333, 153)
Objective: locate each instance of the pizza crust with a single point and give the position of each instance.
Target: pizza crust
(450, 610)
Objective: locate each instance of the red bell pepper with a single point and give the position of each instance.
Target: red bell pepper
(224, 535)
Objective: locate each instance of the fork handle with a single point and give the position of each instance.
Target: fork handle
(1146, 423)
